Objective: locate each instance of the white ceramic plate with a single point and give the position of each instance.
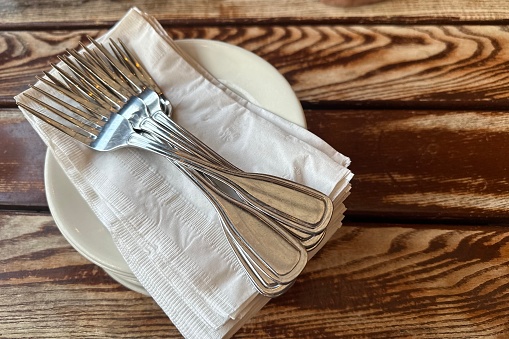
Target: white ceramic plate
(243, 72)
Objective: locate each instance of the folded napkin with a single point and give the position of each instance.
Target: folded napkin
(162, 224)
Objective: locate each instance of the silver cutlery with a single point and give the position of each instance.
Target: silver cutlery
(293, 204)
(267, 220)
(282, 260)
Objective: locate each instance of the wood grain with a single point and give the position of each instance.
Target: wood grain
(370, 280)
(48, 290)
(397, 282)
(21, 163)
(329, 66)
(60, 13)
(415, 92)
(409, 165)
(422, 164)
(409, 66)
(23, 55)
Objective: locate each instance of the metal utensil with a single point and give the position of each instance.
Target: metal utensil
(301, 208)
(118, 83)
(268, 250)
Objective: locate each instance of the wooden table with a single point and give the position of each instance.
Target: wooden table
(415, 92)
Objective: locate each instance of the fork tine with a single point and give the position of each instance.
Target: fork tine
(147, 79)
(83, 137)
(95, 59)
(97, 124)
(126, 74)
(82, 123)
(89, 94)
(95, 89)
(108, 79)
(114, 73)
(101, 60)
(122, 57)
(85, 102)
(98, 74)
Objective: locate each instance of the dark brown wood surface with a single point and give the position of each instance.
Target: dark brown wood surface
(40, 13)
(411, 66)
(443, 89)
(415, 92)
(371, 280)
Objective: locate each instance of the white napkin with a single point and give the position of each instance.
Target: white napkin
(161, 223)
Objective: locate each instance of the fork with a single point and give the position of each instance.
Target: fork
(274, 266)
(307, 239)
(278, 259)
(265, 283)
(270, 279)
(155, 120)
(121, 76)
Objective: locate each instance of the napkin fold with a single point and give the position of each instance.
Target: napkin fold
(164, 227)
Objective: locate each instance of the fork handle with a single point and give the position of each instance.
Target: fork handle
(298, 206)
(200, 148)
(267, 246)
(277, 197)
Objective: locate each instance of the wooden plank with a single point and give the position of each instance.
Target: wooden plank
(105, 12)
(422, 164)
(448, 67)
(402, 66)
(414, 165)
(21, 163)
(48, 290)
(370, 280)
(28, 54)
(388, 281)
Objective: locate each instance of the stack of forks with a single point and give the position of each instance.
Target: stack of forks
(105, 99)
